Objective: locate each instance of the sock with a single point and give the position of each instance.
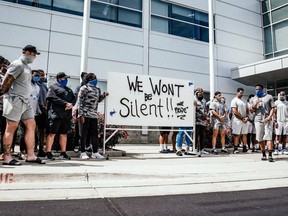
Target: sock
(161, 147)
(270, 153)
(223, 148)
(263, 153)
(165, 146)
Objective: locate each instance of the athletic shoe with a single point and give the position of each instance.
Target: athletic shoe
(245, 148)
(236, 151)
(285, 151)
(83, 156)
(276, 152)
(97, 155)
(41, 153)
(64, 156)
(190, 153)
(224, 151)
(179, 153)
(264, 158)
(214, 151)
(270, 159)
(164, 151)
(76, 149)
(49, 156)
(204, 151)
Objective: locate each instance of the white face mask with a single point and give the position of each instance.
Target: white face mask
(29, 59)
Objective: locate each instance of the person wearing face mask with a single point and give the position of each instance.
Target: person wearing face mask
(60, 100)
(264, 107)
(201, 120)
(88, 98)
(17, 88)
(218, 114)
(281, 124)
(239, 120)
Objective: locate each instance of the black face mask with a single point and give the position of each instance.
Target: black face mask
(200, 98)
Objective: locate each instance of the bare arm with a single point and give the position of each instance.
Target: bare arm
(7, 82)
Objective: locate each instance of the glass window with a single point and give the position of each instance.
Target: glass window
(180, 21)
(71, 6)
(280, 14)
(35, 3)
(265, 6)
(116, 14)
(277, 3)
(134, 4)
(266, 19)
(280, 35)
(268, 40)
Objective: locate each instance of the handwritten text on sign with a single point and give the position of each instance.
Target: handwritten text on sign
(149, 101)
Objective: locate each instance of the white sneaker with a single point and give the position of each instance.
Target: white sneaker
(83, 156)
(276, 152)
(97, 155)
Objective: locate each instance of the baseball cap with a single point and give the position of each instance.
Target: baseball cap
(31, 48)
(61, 75)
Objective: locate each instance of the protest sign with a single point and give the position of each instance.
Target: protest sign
(142, 100)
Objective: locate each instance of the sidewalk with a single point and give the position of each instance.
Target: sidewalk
(143, 172)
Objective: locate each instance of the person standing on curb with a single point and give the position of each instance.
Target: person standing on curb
(239, 120)
(16, 87)
(88, 98)
(60, 100)
(264, 107)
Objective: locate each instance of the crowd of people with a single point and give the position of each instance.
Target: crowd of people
(260, 123)
(42, 112)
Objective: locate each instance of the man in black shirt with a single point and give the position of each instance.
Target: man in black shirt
(60, 100)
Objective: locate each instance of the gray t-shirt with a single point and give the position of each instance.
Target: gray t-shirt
(266, 103)
(220, 108)
(241, 107)
(21, 86)
(282, 110)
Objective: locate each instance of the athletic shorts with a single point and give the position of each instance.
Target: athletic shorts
(58, 126)
(239, 127)
(251, 128)
(219, 126)
(264, 132)
(165, 132)
(16, 109)
(282, 128)
(41, 120)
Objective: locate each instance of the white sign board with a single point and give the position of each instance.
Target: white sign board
(142, 100)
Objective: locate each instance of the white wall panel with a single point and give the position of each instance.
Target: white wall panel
(241, 14)
(66, 63)
(20, 36)
(115, 51)
(199, 4)
(178, 44)
(177, 61)
(102, 67)
(26, 17)
(116, 32)
(65, 43)
(252, 5)
(237, 56)
(67, 24)
(239, 42)
(237, 27)
(224, 68)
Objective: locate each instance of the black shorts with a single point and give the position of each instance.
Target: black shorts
(58, 126)
(41, 120)
(165, 132)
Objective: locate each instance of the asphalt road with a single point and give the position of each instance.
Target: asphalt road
(243, 203)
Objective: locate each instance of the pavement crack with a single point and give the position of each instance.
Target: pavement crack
(115, 208)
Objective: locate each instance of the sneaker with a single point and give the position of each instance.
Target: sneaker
(22, 157)
(214, 151)
(83, 156)
(224, 151)
(50, 156)
(97, 155)
(270, 159)
(245, 149)
(64, 156)
(204, 151)
(179, 153)
(88, 149)
(236, 151)
(164, 151)
(264, 158)
(41, 154)
(285, 151)
(276, 152)
(190, 153)
(76, 149)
